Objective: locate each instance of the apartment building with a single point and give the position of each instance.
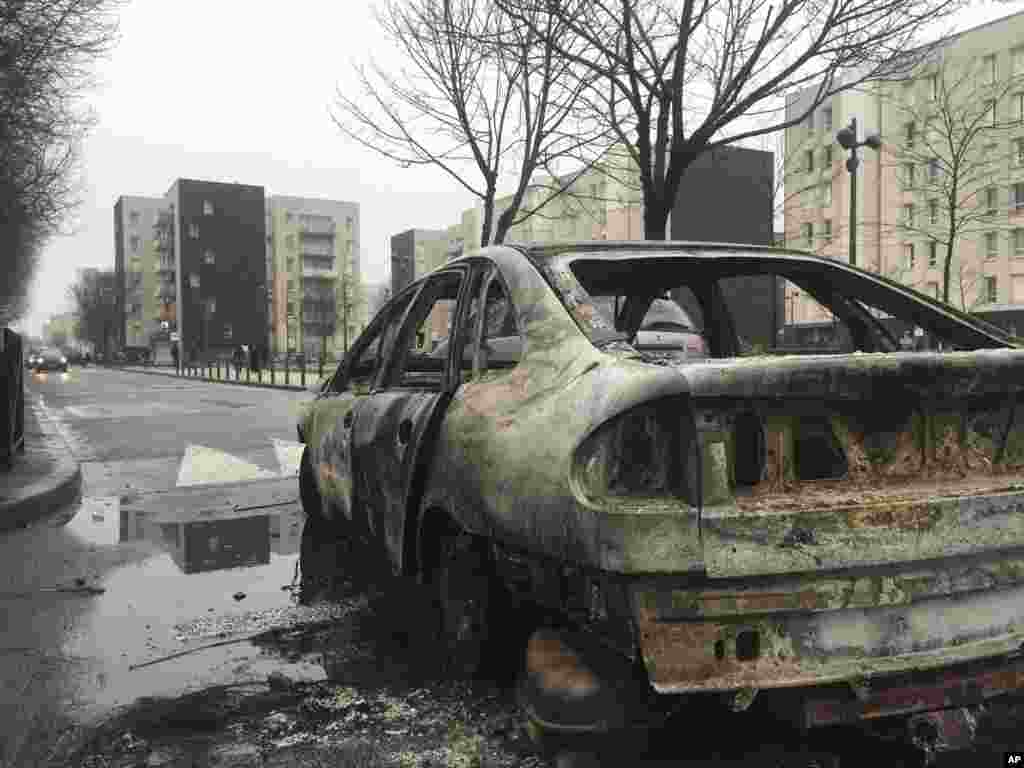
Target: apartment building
(317, 301)
(136, 264)
(903, 211)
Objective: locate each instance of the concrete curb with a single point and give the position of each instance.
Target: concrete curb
(207, 380)
(50, 493)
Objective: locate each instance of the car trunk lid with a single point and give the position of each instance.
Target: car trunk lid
(825, 462)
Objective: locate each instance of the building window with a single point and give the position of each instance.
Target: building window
(228, 332)
(933, 211)
(908, 254)
(212, 305)
(826, 119)
(933, 87)
(207, 208)
(133, 217)
(991, 290)
(208, 257)
(193, 231)
(291, 309)
(991, 245)
(910, 131)
(933, 290)
(134, 243)
(828, 156)
(908, 214)
(289, 242)
(1018, 196)
(933, 168)
(933, 254)
(808, 234)
(908, 174)
(1018, 242)
(826, 194)
(988, 68)
(193, 279)
(809, 157)
(991, 200)
(827, 234)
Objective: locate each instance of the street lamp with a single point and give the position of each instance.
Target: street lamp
(847, 138)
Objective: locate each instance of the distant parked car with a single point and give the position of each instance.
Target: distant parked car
(50, 360)
(30, 358)
(134, 355)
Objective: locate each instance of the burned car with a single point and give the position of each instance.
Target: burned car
(835, 535)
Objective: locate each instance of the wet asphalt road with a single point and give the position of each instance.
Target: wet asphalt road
(161, 460)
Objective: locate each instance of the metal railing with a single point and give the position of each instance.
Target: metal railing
(12, 396)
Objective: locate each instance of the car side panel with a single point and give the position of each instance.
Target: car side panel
(328, 439)
(384, 463)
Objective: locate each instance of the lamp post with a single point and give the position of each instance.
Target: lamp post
(847, 138)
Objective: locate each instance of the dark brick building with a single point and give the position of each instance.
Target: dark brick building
(221, 267)
(726, 197)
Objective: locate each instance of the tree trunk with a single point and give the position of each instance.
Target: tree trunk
(656, 221)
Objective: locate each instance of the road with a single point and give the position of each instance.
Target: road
(151, 449)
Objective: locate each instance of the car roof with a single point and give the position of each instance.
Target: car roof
(510, 257)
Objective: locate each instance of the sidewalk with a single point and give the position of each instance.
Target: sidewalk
(43, 479)
(248, 378)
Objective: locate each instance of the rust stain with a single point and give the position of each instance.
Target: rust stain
(557, 667)
(914, 517)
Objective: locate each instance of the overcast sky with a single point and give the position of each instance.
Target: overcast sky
(225, 90)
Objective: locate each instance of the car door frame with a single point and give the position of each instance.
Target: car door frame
(331, 444)
(393, 431)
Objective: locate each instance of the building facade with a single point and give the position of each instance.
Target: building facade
(317, 302)
(136, 263)
(221, 281)
(905, 204)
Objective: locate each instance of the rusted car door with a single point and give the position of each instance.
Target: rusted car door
(393, 424)
(329, 433)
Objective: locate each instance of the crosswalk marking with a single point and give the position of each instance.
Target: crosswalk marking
(204, 466)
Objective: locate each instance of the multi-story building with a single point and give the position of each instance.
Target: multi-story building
(317, 302)
(218, 241)
(902, 213)
(136, 263)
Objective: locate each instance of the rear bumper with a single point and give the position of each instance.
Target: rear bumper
(844, 627)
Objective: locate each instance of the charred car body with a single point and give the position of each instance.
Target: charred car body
(845, 531)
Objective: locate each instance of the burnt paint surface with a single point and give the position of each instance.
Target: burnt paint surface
(937, 483)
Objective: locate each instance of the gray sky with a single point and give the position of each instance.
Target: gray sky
(225, 90)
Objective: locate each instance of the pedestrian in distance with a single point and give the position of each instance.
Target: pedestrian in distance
(239, 361)
(175, 356)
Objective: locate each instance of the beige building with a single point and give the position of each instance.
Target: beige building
(596, 204)
(137, 262)
(315, 276)
(901, 216)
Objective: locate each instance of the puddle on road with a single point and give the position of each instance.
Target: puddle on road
(213, 575)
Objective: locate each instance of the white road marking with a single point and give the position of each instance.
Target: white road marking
(289, 456)
(128, 410)
(98, 520)
(203, 466)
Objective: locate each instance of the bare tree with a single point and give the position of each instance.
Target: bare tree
(481, 97)
(94, 295)
(46, 47)
(676, 79)
(949, 157)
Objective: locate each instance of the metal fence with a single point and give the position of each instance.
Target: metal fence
(12, 396)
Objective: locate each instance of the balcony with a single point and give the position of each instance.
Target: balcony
(317, 273)
(316, 226)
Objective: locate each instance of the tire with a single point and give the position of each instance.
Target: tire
(467, 597)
